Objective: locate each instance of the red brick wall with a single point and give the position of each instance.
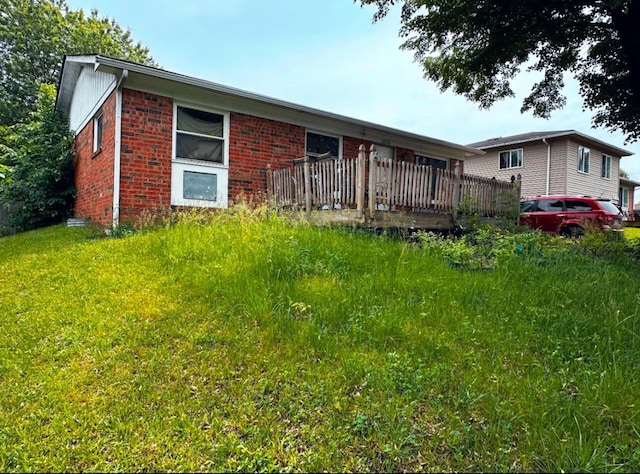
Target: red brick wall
(351, 146)
(146, 150)
(145, 156)
(256, 142)
(94, 171)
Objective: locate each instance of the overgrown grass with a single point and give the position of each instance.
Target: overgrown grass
(247, 342)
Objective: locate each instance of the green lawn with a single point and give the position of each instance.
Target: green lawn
(252, 343)
(632, 232)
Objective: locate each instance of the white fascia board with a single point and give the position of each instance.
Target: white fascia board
(71, 67)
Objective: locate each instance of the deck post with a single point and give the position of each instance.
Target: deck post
(361, 175)
(456, 191)
(307, 186)
(373, 175)
(516, 186)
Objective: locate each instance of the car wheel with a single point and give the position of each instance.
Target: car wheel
(572, 232)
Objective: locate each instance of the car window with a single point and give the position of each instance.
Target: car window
(550, 205)
(609, 206)
(577, 205)
(527, 206)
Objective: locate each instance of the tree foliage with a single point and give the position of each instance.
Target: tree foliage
(36, 158)
(34, 37)
(39, 160)
(476, 48)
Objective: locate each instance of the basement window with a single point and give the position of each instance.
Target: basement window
(200, 186)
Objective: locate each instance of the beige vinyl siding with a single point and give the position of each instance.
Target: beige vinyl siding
(533, 169)
(564, 177)
(534, 174)
(489, 165)
(558, 168)
(591, 184)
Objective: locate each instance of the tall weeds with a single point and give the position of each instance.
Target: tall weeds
(245, 341)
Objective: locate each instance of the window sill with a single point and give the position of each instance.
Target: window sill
(209, 164)
(96, 153)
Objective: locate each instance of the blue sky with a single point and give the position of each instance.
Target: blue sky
(329, 55)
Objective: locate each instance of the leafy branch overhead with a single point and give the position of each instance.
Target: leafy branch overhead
(36, 158)
(34, 37)
(477, 47)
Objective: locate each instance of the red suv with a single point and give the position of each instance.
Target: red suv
(569, 215)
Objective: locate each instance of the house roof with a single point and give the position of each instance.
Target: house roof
(537, 136)
(142, 77)
(629, 183)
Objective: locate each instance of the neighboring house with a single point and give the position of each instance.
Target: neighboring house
(561, 162)
(150, 139)
(626, 198)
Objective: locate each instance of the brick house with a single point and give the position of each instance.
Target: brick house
(149, 139)
(560, 162)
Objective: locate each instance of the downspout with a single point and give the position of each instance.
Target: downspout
(117, 148)
(544, 140)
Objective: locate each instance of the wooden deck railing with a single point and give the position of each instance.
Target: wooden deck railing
(370, 185)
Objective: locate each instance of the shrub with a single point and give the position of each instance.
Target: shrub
(39, 160)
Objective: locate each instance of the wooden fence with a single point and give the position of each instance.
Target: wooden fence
(372, 185)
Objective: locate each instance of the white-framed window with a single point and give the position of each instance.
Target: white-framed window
(511, 159)
(606, 166)
(583, 159)
(97, 132)
(200, 171)
(318, 143)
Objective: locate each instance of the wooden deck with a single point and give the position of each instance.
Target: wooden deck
(373, 192)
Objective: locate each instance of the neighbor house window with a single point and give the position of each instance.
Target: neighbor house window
(606, 166)
(199, 172)
(318, 144)
(97, 132)
(583, 159)
(624, 198)
(511, 159)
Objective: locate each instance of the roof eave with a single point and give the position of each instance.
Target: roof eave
(614, 150)
(110, 64)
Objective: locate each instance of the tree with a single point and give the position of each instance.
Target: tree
(34, 37)
(36, 158)
(476, 47)
(39, 160)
